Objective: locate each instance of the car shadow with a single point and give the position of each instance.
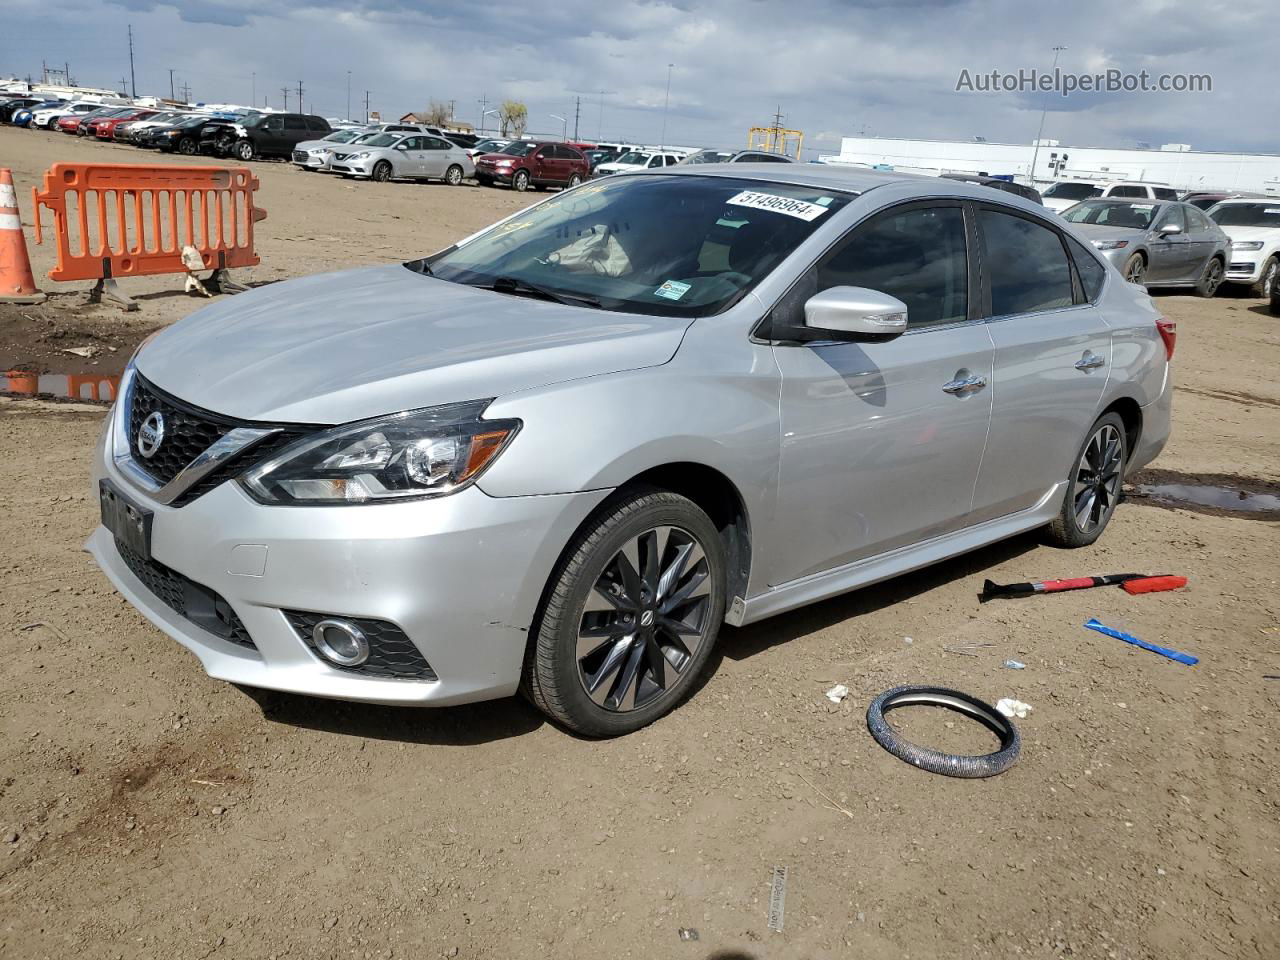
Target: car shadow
(461, 726)
(1263, 309)
(739, 643)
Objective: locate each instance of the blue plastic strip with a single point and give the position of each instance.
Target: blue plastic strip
(1186, 658)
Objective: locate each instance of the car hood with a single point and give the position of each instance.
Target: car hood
(1268, 235)
(620, 167)
(324, 144)
(1101, 231)
(337, 347)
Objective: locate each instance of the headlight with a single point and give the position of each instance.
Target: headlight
(1110, 244)
(359, 156)
(419, 453)
(1247, 245)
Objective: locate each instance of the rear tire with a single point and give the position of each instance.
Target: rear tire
(1093, 486)
(573, 182)
(453, 176)
(1211, 279)
(1135, 269)
(630, 616)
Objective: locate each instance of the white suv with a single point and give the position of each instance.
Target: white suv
(638, 160)
(1067, 193)
(1254, 228)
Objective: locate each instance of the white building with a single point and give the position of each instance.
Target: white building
(1175, 164)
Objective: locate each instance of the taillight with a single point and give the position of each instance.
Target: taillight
(1169, 334)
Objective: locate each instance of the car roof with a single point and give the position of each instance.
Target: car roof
(835, 176)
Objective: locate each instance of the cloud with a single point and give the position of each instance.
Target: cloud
(836, 66)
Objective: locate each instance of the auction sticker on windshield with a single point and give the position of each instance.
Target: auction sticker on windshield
(672, 289)
(801, 209)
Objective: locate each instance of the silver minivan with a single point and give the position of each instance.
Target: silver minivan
(558, 455)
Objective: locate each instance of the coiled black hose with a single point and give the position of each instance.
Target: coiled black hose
(935, 761)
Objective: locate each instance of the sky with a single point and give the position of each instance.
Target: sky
(831, 67)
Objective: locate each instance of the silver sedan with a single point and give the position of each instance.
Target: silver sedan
(397, 156)
(1156, 243)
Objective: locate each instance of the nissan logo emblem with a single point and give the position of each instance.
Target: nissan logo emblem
(151, 434)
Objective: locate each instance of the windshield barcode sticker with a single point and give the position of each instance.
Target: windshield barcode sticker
(801, 209)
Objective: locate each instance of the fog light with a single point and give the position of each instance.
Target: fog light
(341, 642)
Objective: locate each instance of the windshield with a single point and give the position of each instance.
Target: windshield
(1129, 216)
(708, 156)
(1072, 191)
(380, 139)
(191, 122)
(343, 136)
(633, 159)
(671, 246)
(519, 148)
(1260, 214)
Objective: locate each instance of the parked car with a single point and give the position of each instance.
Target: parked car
(48, 117)
(129, 131)
(1156, 243)
(491, 145)
(190, 136)
(70, 121)
(556, 457)
(397, 156)
(90, 121)
(1066, 193)
(996, 183)
(25, 116)
(316, 154)
(9, 107)
(597, 156)
(735, 156)
(270, 135)
(1254, 229)
(637, 160)
(526, 163)
(465, 140)
(105, 127)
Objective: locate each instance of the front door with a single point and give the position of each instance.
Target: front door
(1172, 254)
(882, 442)
(1053, 354)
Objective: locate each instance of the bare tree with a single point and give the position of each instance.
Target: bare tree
(437, 114)
(514, 117)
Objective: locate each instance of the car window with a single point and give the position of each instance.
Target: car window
(411, 143)
(917, 255)
(1171, 217)
(669, 246)
(318, 124)
(1073, 191)
(1092, 273)
(1123, 191)
(1197, 222)
(1262, 214)
(1112, 213)
(273, 124)
(1026, 263)
(434, 143)
(1165, 193)
(295, 123)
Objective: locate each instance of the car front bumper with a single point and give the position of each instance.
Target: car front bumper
(1244, 270)
(311, 161)
(461, 576)
(494, 174)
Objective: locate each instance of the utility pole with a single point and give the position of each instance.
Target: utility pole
(665, 103)
(777, 132)
(1035, 153)
(299, 96)
(132, 76)
(577, 115)
(451, 103)
(285, 91)
(366, 106)
(124, 85)
(171, 83)
(484, 102)
(348, 94)
(186, 92)
(253, 80)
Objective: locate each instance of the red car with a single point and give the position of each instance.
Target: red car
(525, 163)
(77, 123)
(105, 127)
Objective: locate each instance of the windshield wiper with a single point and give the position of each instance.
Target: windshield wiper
(516, 286)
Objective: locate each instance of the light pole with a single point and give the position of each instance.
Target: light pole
(1035, 153)
(348, 95)
(564, 133)
(666, 103)
(482, 116)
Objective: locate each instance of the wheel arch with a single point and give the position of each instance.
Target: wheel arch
(1130, 414)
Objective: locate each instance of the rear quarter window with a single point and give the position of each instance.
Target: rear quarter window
(1092, 274)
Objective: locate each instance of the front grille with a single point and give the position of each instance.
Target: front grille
(391, 653)
(299, 156)
(202, 606)
(188, 432)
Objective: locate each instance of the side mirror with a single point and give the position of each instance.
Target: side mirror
(1171, 230)
(856, 313)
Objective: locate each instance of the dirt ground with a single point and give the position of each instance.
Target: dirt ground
(148, 811)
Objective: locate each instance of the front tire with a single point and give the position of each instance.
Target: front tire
(1135, 269)
(186, 146)
(1093, 488)
(1211, 279)
(244, 150)
(630, 617)
(1266, 285)
(521, 180)
(453, 176)
(382, 171)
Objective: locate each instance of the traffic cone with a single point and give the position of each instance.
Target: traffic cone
(17, 285)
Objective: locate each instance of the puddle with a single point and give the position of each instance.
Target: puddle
(1213, 494)
(95, 387)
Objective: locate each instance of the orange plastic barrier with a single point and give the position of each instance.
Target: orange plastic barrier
(124, 219)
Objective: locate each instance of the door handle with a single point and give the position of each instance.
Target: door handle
(1090, 361)
(964, 385)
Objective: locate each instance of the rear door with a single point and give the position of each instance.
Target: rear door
(435, 157)
(1052, 356)
(881, 445)
(295, 131)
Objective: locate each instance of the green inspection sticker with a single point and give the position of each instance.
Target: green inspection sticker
(672, 289)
